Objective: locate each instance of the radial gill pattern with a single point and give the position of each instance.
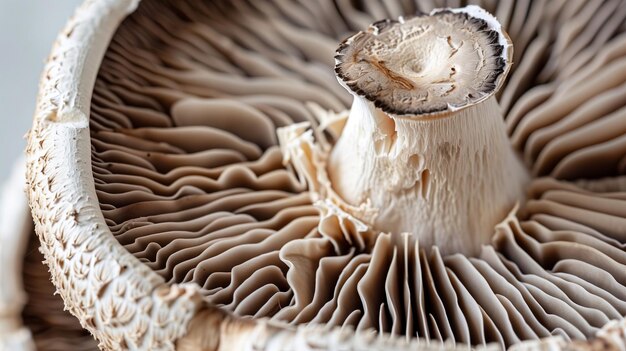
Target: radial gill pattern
(191, 179)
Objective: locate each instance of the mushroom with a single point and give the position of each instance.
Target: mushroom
(192, 186)
(32, 317)
(44, 314)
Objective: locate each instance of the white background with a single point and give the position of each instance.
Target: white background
(27, 31)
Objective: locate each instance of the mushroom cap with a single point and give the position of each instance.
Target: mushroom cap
(143, 211)
(427, 64)
(44, 314)
(32, 316)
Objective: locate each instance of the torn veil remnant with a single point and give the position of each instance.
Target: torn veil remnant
(425, 146)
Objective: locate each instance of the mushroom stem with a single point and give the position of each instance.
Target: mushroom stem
(429, 162)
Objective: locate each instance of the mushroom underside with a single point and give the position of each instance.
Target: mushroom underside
(191, 179)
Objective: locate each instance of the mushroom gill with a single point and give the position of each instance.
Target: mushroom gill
(191, 178)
